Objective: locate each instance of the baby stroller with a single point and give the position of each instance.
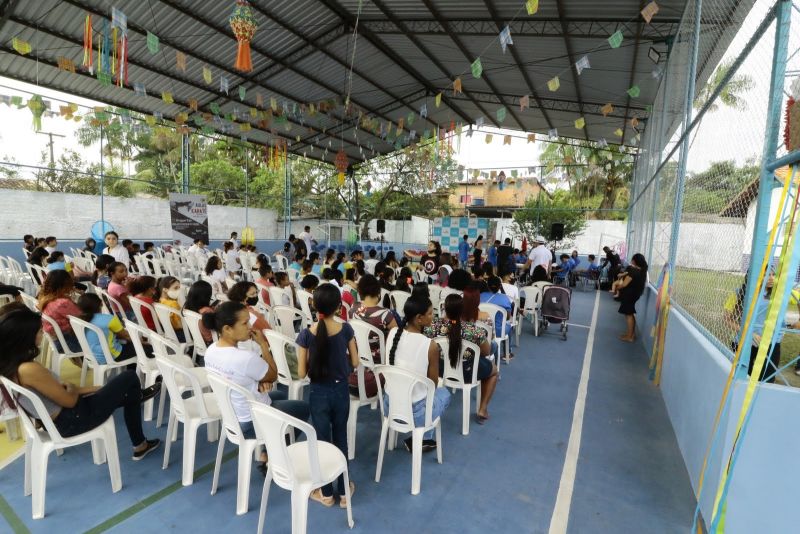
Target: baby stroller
(555, 308)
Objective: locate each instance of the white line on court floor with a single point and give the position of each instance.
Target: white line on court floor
(579, 325)
(560, 518)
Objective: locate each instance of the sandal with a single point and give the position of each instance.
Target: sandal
(317, 495)
(343, 499)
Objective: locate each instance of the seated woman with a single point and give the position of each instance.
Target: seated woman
(265, 279)
(118, 288)
(215, 270)
(232, 263)
(459, 279)
(199, 300)
(169, 291)
(92, 312)
(101, 277)
(494, 295)
(56, 261)
(410, 349)
(405, 279)
(336, 277)
(456, 330)
(39, 258)
(144, 289)
(90, 245)
(255, 371)
(370, 311)
(445, 268)
(247, 293)
(74, 410)
(421, 289)
(55, 301)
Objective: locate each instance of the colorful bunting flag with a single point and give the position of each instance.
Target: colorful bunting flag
(501, 114)
(242, 92)
(180, 61)
(423, 110)
(152, 43)
(457, 86)
(104, 78)
(224, 84)
(409, 118)
(532, 6)
(580, 122)
(634, 91)
(207, 75)
(552, 133)
(524, 102)
(214, 108)
(166, 96)
(139, 89)
(66, 64)
(554, 84)
(616, 39)
(22, 47)
(581, 64)
(488, 138)
(477, 68)
(119, 20)
(618, 132)
(505, 38)
(273, 103)
(193, 104)
(531, 137)
(479, 121)
(649, 11)
(507, 140)
(608, 108)
(438, 100)
(260, 100)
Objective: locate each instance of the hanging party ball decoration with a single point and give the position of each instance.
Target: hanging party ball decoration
(244, 26)
(341, 165)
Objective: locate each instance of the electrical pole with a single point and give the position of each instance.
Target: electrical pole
(52, 153)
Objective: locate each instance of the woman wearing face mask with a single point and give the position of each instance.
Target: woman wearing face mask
(169, 291)
(247, 294)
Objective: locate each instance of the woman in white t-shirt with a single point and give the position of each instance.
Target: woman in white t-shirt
(232, 263)
(113, 248)
(254, 371)
(415, 352)
(215, 271)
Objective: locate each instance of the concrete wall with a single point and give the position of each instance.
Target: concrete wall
(764, 484)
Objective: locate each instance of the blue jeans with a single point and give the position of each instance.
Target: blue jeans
(295, 408)
(441, 400)
(330, 410)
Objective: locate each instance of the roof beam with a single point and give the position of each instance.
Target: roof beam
(633, 72)
(335, 7)
(571, 58)
(6, 9)
(515, 54)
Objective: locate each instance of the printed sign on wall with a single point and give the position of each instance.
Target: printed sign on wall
(189, 215)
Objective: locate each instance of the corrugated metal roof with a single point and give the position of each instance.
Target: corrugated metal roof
(407, 51)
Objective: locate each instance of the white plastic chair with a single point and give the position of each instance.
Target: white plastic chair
(57, 357)
(453, 377)
(278, 296)
(30, 302)
(232, 431)
(146, 368)
(294, 275)
(99, 371)
(533, 303)
(301, 467)
(399, 299)
(503, 339)
(281, 263)
(165, 314)
(362, 331)
(399, 386)
(282, 319)
(192, 321)
(304, 298)
(112, 305)
(41, 443)
(436, 297)
(277, 346)
(137, 305)
(199, 409)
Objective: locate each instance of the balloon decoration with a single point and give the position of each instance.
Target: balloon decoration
(248, 236)
(341, 165)
(36, 105)
(244, 26)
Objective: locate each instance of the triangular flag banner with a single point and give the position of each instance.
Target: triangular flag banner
(410, 118)
(501, 114)
(488, 138)
(649, 11)
(532, 6)
(242, 92)
(554, 84)
(531, 137)
(180, 61)
(259, 100)
(524, 102)
(616, 39)
(608, 108)
(66, 64)
(553, 133)
(423, 111)
(438, 100)
(475, 174)
(618, 132)
(634, 91)
(23, 47)
(152, 43)
(457, 85)
(273, 103)
(224, 84)
(104, 78)
(507, 140)
(166, 96)
(505, 38)
(193, 104)
(602, 143)
(580, 123)
(214, 108)
(477, 68)
(207, 75)
(139, 89)
(581, 64)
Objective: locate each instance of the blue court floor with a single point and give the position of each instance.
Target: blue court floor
(502, 477)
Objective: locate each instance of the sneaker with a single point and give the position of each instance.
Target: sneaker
(152, 444)
(428, 445)
(343, 499)
(151, 391)
(317, 495)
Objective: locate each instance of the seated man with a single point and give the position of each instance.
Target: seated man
(561, 271)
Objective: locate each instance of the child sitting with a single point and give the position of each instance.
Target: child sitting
(91, 311)
(144, 289)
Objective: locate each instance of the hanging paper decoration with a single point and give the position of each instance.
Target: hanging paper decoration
(87, 44)
(479, 122)
(214, 108)
(602, 143)
(505, 38)
(649, 11)
(244, 26)
(553, 84)
(152, 43)
(242, 92)
(524, 102)
(634, 122)
(166, 96)
(341, 165)
(457, 85)
(634, 91)
(501, 114)
(488, 138)
(104, 78)
(581, 64)
(180, 61)
(477, 68)
(139, 89)
(531, 137)
(438, 100)
(618, 132)
(224, 84)
(207, 75)
(532, 6)
(608, 108)
(66, 64)
(273, 103)
(119, 20)
(507, 140)
(552, 133)
(193, 104)
(36, 105)
(400, 124)
(423, 111)
(580, 122)
(122, 60)
(22, 47)
(616, 39)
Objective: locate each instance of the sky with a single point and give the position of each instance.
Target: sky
(723, 134)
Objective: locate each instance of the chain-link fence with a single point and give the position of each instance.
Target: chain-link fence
(697, 175)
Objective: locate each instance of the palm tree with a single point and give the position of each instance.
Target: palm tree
(731, 95)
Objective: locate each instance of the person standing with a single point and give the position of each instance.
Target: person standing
(463, 252)
(539, 256)
(505, 263)
(477, 253)
(306, 237)
(492, 254)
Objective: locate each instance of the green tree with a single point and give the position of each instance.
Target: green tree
(732, 94)
(539, 214)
